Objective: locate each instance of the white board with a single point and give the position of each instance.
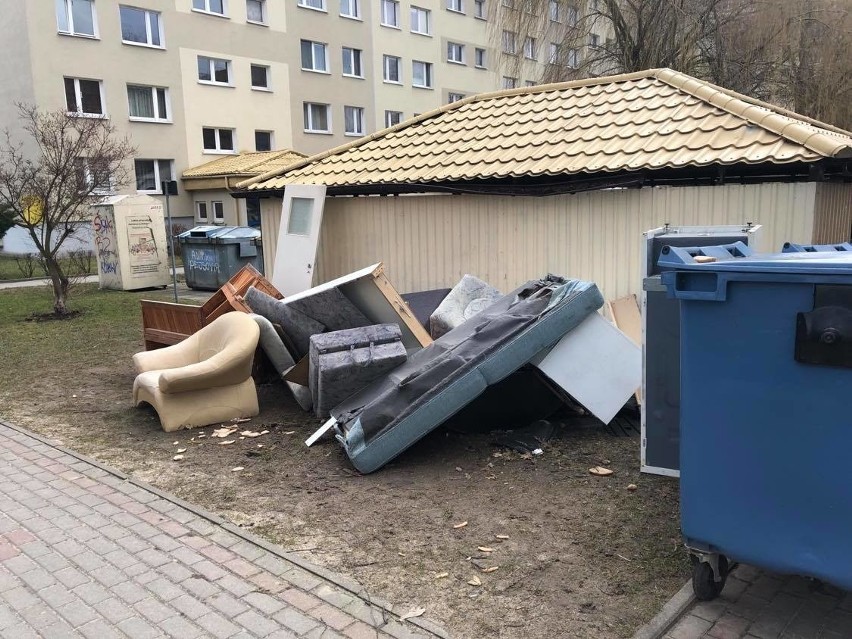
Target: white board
(298, 236)
(597, 365)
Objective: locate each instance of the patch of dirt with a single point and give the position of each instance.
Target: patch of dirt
(52, 317)
(582, 556)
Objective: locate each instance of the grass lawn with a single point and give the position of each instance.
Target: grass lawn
(11, 270)
(584, 558)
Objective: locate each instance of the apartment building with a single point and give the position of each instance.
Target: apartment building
(192, 80)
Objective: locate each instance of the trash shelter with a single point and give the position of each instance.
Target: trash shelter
(213, 254)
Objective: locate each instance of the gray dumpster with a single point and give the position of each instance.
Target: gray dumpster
(212, 254)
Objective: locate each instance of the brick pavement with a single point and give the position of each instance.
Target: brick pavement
(88, 552)
(759, 605)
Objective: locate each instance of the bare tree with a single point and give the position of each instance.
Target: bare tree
(75, 161)
(7, 220)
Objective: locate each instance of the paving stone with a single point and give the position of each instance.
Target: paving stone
(263, 602)
(360, 630)
(295, 620)
(37, 579)
(77, 614)
(153, 610)
(217, 625)
(200, 587)
(331, 616)
(256, 623)
(301, 600)
(729, 626)
(165, 589)
(190, 607)
(227, 604)
(180, 628)
(237, 586)
(91, 593)
(690, 627)
(114, 610)
(137, 628)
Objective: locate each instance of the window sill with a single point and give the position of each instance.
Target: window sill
(317, 132)
(92, 116)
(262, 89)
(218, 152)
(84, 36)
(530, 59)
(356, 18)
(354, 77)
(217, 84)
(461, 13)
(354, 135)
(390, 26)
(211, 13)
(483, 18)
(144, 45)
(256, 23)
(134, 118)
(481, 68)
(422, 33)
(142, 192)
(460, 63)
(422, 86)
(396, 82)
(321, 72)
(309, 8)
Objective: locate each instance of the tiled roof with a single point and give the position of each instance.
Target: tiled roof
(244, 164)
(649, 120)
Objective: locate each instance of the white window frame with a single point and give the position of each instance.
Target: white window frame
(263, 8)
(454, 97)
(573, 59)
(210, 63)
(353, 55)
(218, 211)
(314, 46)
(219, 150)
(207, 11)
(392, 115)
(418, 16)
(89, 177)
(480, 12)
(69, 17)
(553, 53)
(167, 119)
(198, 207)
(530, 48)
(456, 6)
(271, 139)
(479, 58)
(158, 178)
(358, 120)
(385, 6)
(455, 53)
(309, 4)
(386, 59)
(148, 29)
(509, 82)
(353, 4)
(428, 72)
(255, 87)
(529, 83)
(78, 96)
(308, 117)
(572, 16)
(510, 42)
(554, 10)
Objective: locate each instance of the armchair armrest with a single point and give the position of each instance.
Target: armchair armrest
(175, 356)
(226, 368)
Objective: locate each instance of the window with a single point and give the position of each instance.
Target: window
(509, 4)
(352, 63)
(479, 58)
(253, 211)
(530, 49)
(148, 103)
(201, 210)
(479, 9)
(76, 17)
(509, 45)
(553, 53)
(218, 7)
(218, 212)
(150, 174)
(218, 140)
(529, 83)
(214, 70)
(259, 76)
(509, 83)
(350, 8)
(317, 118)
(454, 97)
(263, 140)
(140, 26)
(573, 16)
(300, 218)
(390, 13)
(314, 56)
(594, 40)
(353, 118)
(93, 176)
(421, 21)
(319, 5)
(455, 52)
(421, 74)
(84, 97)
(455, 5)
(391, 65)
(573, 58)
(256, 11)
(554, 10)
(392, 118)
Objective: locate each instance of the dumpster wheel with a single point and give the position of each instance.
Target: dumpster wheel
(706, 584)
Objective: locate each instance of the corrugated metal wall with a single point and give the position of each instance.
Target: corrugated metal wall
(833, 213)
(270, 223)
(430, 241)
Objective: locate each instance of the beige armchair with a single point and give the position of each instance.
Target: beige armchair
(204, 379)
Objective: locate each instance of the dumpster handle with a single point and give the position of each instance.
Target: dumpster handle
(706, 286)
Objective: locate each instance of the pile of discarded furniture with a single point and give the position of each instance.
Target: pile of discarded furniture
(383, 369)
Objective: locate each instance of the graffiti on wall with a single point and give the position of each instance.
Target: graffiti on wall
(105, 243)
(202, 259)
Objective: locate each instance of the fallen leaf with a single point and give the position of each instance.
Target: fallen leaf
(250, 433)
(236, 468)
(490, 569)
(600, 471)
(485, 549)
(414, 612)
(461, 525)
(227, 441)
(631, 487)
(266, 432)
(222, 432)
(177, 457)
(441, 575)
(475, 581)
(501, 537)
(181, 450)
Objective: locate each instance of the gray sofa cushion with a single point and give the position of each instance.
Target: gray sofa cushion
(297, 326)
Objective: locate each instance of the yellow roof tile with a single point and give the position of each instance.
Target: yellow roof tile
(248, 164)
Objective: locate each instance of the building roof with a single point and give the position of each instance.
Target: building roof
(646, 121)
(244, 164)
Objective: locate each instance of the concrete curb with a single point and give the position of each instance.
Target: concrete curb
(340, 581)
(669, 615)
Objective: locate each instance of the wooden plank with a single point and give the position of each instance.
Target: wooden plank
(626, 316)
(395, 300)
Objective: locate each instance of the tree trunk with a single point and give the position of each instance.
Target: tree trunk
(59, 282)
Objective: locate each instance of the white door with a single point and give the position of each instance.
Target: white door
(298, 236)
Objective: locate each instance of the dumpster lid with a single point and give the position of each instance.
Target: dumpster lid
(236, 233)
(675, 258)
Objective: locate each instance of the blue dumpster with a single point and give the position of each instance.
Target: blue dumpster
(766, 413)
